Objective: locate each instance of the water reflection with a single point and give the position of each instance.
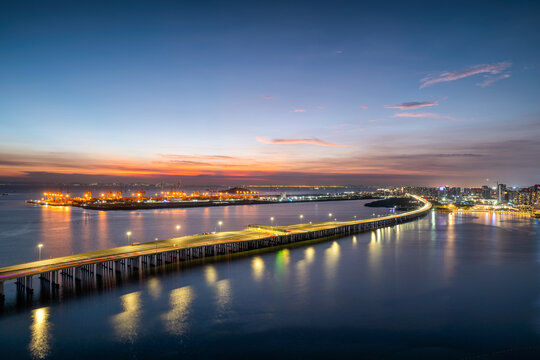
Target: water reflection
(154, 288)
(257, 267)
(127, 323)
(210, 274)
(302, 269)
(40, 333)
(223, 297)
(176, 319)
(331, 258)
(282, 262)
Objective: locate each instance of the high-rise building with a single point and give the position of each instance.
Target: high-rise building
(501, 193)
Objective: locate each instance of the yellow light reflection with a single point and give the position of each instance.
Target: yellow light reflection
(40, 338)
(154, 288)
(210, 274)
(331, 258)
(354, 241)
(126, 324)
(310, 254)
(257, 267)
(176, 319)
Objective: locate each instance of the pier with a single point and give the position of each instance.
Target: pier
(91, 267)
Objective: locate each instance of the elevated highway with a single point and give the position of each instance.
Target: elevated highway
(73, 269)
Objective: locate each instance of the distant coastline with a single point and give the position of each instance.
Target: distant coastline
(212, 203)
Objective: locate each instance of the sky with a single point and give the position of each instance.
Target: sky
(274, 92)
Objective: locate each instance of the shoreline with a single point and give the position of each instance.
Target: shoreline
(192, 204)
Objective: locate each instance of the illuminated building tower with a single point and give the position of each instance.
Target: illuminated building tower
(501, 193)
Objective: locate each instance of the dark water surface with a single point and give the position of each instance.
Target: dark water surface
(445, 286)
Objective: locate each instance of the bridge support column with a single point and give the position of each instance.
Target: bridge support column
(29, 287)
(2, 291)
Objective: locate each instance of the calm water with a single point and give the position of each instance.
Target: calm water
(445, 286)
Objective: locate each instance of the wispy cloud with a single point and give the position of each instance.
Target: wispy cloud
(365, 107)
(299, 110)
(377, 119)
(493, 69)
(488, 80)
(310, 141)
(427, 115)
(267, 97)
(413, 105)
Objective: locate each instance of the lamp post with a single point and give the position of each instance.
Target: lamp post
(220, 223)
(272, 221)
(128, 235)
(39, 250)
(330, 216)
(301, 216)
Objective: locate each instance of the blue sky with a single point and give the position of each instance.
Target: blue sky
(270, 92)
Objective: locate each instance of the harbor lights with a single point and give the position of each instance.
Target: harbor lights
(128, 234)
(40, 246)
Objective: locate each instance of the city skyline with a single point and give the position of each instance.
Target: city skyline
(282, 93)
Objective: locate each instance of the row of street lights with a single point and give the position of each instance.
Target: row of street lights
(129, 233)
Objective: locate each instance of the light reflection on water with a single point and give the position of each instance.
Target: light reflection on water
(126, 324)
(40, 333)
(257, 267)
(176, 320)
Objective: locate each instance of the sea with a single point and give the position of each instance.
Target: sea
(445, 286)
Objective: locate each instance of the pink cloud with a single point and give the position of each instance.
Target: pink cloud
(310, 141)
(427, 115)
(299, 110)
(412, 105)
(491, 79)
(494, 69)
(365, 107)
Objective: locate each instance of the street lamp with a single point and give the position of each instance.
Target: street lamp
(220, 223)
(128, 235)
(178, 227)
(272, 221)
(39, 249)
(330, 216)
(301, 216)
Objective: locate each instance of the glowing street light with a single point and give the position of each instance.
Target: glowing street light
(220, 223)
(178, 227)
(128, 235)
(272, 221)
(39, 250)
(301, 216)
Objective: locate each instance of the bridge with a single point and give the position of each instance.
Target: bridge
(69, 271)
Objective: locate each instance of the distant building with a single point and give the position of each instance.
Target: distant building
(486, 192)
(501, 193)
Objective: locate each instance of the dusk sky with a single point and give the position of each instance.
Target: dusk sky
(429, 93)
